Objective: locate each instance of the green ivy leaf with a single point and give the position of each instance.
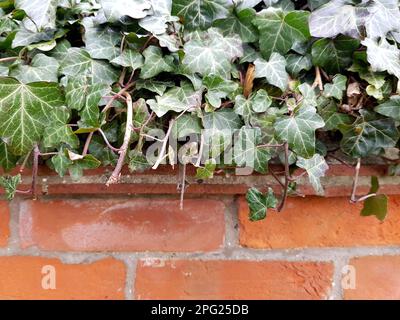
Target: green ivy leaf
(186, 125)
(273, 70)
(155, 63)
(337, 88)
(376, 205)
(207, 171)
(115, 10)
(390, 108)
(41, 13)
(259, 203)
(10, 185)
(7, 160)
(218, 88)
(129, 58)
(42, 68)
(315, 168)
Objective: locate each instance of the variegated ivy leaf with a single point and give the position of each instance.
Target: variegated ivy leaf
(299, 131)
(368, 135)
(241, 23)
(58, 132)
(316, 168)
(218, 88)
(337, 17)
(114, 10)
(159, 16)
(273, 70)
(384, 16)
(336, 88)
(383, 56)
(259, 203)
(309, 99)
(297, 63)
(155, 63)
(178, 99)
(213, 53)
(61, 162)
(390, 108)
(25, 37)
(329, 111)
(78, 62)
(101, 42)
(42, 68)
(25, 111)
(10, 185)
(158, 87)
(8, 161)
(199, 14)
(86, 97)
(41, 14)
(280, 30)
(333, 55)
(129, 58)
(257, 102)
(186, 125)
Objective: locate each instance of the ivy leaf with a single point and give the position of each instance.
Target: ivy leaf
(368, 135)
(259, 203)
(61, 163)
(218, 88)
(186, 125)
(299, 131)
(158, 87)
(390, 108)
(241, 23)
(176, 99)
(114, 10)
(315, 168)
(129, 58)
(258, 102)
(206, 172)
(274, 70)
(138, 162)
(7, 160)
(383, 56)
(384, 16)
(41, 13)
(376, 205)
(280, 30)
(334, 55)
(10, 185)
(212, 53)
(297, 63)
(337, 87)
(337, 17)
(328, 110)
(42, 68)
(84, 163)
(78, 62)
(25, 111)
(156, 21)
(199, 14)
(101, 42)
(155, 63)
(224, 119)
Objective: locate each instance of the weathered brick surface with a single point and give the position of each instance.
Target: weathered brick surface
(123, 225)
(25, 278)
(320, 222)
(376, 277)
(232, 280)
(4, 222)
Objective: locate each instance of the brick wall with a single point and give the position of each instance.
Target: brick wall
(143, 247)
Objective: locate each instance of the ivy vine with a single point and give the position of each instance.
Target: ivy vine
(90, 83)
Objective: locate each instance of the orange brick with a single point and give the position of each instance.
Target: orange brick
(319, 222)
(4, 222)
(123, 225)
(376, 278)
(187, 279)
(23, 278)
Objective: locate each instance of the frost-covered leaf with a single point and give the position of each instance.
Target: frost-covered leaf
(280, 30)
(199, 13)
(316, 168)
(114, 10)
(25, 111)
(299, 131)
(176, 99)
(383, 56)
(273, 70)
(213, 53)
(259, 203)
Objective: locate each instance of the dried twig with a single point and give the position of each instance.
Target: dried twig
(35, 168)
(107, 142)
(318, 80)
(161, 156)
(87, 144)
(127, 138)
(354, 198)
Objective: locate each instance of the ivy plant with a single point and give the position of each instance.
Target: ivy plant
(219, 85)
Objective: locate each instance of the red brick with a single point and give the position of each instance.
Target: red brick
(232, 280)
(377, 278)
(21, 278)
(123, 225)
(320, 222)
(4, 222)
